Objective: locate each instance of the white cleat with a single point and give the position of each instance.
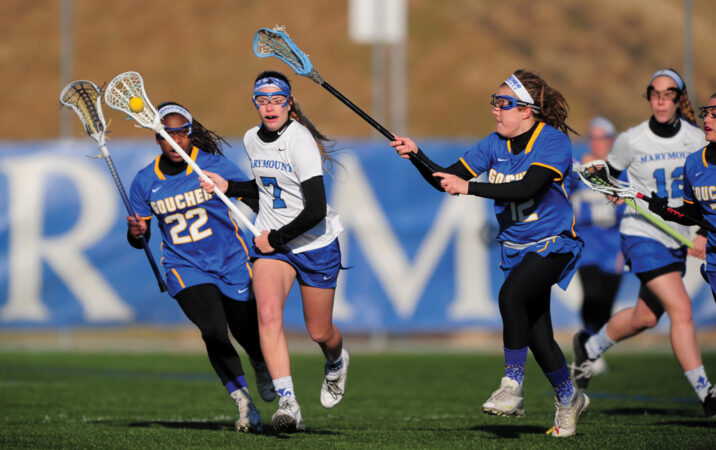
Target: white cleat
(287, 419)
(565, 418)
(264, 383)
(508, 400)
(249, 416)
(334, 384)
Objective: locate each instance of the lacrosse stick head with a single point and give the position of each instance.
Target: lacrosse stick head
(275, 42)
(85, 98)
(595, 175)
(122, 89)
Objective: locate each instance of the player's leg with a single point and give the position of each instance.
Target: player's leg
(622, 325)
(318, 313)
(272, 282)
(203, 305)
(670, 290)
(600, 290)
(243, 323)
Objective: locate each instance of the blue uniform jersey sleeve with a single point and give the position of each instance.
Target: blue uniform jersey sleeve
(689, 172)
(478, 158)
(139, 195)
(555, 153)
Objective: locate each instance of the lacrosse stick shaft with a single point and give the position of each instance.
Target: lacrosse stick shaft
(234, 209)
(125, 200)
(659, 223)
(372, 122)
(700, 223)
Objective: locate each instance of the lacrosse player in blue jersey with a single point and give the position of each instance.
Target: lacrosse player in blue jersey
(653, 154)
(204, 256)
(700, 203)
(526, 160)
(298, 241)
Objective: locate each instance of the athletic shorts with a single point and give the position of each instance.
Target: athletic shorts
(644, 254)
(316, 268)
(236, 285)
(511, 257)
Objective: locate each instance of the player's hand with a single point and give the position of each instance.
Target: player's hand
(218, 182)
(658, 204)
(699, 250)
(404, 146)
(614, 200)
(137, 226)
(261, 242)
(452, 184)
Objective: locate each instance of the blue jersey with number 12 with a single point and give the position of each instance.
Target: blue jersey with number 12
(550, 212)
(197, 228)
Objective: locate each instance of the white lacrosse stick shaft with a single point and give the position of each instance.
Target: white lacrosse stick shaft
(232, 206)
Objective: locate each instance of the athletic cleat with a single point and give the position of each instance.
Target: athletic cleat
(565, 418)
(264, 383)
(249, 416)
(508, 400)
(582, 366)
(287, 419)
(709, 402)
(334, 384)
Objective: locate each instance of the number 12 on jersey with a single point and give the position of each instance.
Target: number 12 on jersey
(517, 210)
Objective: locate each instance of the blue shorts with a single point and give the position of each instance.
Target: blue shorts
(511, 257)
(316, 268)
(235, 285)
(643, 254)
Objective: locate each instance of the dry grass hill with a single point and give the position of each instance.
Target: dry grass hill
(599, 54)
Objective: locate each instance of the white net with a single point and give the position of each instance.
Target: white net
(276, 43)
(122, 89)
(84, 98)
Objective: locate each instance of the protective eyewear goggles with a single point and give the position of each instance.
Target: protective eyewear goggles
(671, 93)
(507, 102)
(709, 111)
(274, 98)
(183, 131)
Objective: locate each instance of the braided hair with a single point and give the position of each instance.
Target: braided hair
(325, 144)
(201, 137)
(553, 107)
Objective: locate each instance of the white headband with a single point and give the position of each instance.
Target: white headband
(519, 89)
(175, 109)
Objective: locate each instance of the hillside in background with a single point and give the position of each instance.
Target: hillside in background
(598, 54)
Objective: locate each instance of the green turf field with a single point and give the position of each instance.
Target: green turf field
(79, 400)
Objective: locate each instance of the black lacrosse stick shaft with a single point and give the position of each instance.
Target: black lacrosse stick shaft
(413, 156)
(145, 244)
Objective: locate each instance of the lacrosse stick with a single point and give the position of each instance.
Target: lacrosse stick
(129, 85)
(596, 175)
(85, 99)
(277, 43)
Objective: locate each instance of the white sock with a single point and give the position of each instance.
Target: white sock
(598, 344)
(698, 380)
(284, 386)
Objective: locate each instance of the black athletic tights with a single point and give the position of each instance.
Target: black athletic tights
(524, 307)
(212, 311)
(600, 289)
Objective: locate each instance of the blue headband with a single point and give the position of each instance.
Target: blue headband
(268, 81)
(671, 74)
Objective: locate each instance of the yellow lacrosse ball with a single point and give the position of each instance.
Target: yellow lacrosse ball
(136, 104)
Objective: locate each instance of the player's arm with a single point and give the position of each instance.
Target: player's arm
(458, 169)
(314, 211)
(686, 211)
(536, 180)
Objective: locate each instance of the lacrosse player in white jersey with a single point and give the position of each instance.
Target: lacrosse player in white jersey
(298, 240)
(654, 153)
